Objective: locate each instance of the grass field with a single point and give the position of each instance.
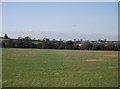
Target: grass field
(59, 68)
(0, 68)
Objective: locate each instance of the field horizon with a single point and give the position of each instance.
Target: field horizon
(59, 44)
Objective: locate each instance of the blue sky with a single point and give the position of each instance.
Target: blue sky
(64, 20)
(60, 0)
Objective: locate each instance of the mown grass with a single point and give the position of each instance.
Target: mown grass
(0, 68)
(59, 68)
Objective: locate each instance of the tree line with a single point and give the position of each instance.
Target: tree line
(46, 43)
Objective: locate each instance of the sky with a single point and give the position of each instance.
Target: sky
(61, 20)
(1, 19)
(60, 0)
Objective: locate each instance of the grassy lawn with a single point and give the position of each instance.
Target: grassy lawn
(0, 68)
(59, 68)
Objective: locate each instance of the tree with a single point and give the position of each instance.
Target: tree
(0, 43)
(6, 36)
(53, 40)
(28, 44)
(46, 39)
(95, 47)
(8, 43)
(18, 43)
(82, 47)
(20, 37)
(118, 47)
(56, 44)
(69, 45)
(27, 38)
(76, 47)
(45, 43)
(88, 46)
(3, 44)
(110, 46)
(101, 46)
(62, 45)
(39, 45)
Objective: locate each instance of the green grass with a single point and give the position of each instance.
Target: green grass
(59, 68)
(0, 68)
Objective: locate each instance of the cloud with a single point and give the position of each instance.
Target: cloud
(60, 35)
(30, 30)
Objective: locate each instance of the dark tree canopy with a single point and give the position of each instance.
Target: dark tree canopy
(46, 43)
(6, 36)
